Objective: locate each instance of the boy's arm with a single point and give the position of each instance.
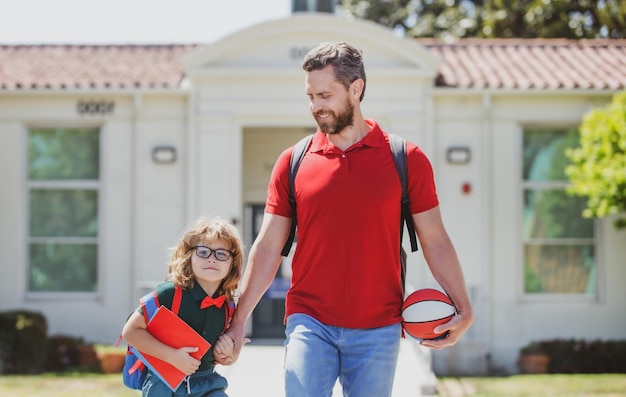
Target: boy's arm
(136, 334)
(262, 265)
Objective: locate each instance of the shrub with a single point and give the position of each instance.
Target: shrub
(22, 342)
(581, 356)
(69, 353)
(598, 164)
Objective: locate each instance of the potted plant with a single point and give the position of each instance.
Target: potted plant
(533, 359)
(111, 358)
(87, 356)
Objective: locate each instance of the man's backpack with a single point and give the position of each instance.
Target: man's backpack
(398, 149)
(135, 371)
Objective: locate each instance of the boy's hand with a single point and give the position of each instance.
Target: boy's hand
(184, 361)
(224, 352)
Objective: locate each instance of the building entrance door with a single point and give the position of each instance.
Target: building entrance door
(268, 316)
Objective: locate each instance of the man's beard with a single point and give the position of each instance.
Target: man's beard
(341, 121)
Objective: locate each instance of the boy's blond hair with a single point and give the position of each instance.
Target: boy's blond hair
(179, 268)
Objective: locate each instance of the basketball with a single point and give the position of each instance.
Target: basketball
(425, 309)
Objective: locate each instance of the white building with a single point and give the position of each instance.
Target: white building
(108, 152)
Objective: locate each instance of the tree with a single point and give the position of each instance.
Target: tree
(419, 18)
(598, 169)
(574, 19)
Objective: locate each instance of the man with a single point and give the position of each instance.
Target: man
(343, 307)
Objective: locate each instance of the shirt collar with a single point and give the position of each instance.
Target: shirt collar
(374, 138)
(198, 293)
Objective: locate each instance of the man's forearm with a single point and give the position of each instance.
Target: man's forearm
(258, 276)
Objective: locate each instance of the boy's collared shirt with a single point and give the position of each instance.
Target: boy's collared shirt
(208, 322)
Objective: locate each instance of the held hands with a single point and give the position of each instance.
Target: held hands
(456, 327)
(183, 360)
(225, 352)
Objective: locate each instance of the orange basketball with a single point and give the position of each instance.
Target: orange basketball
(425, 309)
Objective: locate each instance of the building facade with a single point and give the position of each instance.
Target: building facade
(108, 152)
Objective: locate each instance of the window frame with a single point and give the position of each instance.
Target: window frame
(526, 185)
(73, 184)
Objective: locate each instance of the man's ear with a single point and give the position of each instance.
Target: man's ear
(356, 88)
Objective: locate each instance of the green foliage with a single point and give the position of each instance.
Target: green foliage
(63, 267)
(533, 282)
(64, 153)
(425, 18)
(64, 217)
(598, 169)
(22, 342)
(574, 19)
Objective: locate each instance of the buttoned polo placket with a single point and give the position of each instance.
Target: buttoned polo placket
(343, 155)
(211, 323)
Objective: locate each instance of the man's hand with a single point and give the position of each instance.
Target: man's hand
(237, 334)
(226, 348)
(223, 352)
(456, 327)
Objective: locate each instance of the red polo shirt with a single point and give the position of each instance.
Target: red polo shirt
(346, 266)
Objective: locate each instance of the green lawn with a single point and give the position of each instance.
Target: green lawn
(95, 385)
(65, 385)
(579, 385)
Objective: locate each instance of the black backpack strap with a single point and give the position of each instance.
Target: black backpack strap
(398, 149)
(299, 150)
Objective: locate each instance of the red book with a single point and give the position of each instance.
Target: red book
(168, 328)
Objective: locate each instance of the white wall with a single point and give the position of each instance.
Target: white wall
(141, 205)
(486, 228)
(458, 122)
(65, 312)
(160, 190)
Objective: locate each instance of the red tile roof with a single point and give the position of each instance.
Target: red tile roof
(25, 67)
(530, 64)
(466, 63)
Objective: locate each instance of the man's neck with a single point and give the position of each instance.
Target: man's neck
(350, 135)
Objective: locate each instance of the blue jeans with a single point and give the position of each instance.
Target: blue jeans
(316, 355)
(200, 384)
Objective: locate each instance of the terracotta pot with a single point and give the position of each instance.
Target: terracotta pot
(112, 363)
(535, 363)
(87, 356)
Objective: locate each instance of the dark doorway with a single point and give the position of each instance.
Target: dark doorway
(268, 316)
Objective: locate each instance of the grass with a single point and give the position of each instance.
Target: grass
(98, 385)
(579, 385)
(65, 385)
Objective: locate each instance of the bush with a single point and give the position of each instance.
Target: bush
(581, 356)
(22, 342)
(69, 353)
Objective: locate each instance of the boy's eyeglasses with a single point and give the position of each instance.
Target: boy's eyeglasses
(205, 252)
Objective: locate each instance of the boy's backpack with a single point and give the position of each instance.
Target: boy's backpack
(135, 371)
(398, 149)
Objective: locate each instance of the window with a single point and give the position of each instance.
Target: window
(63, 187)
(559, 244)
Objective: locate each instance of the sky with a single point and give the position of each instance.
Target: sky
(131, 21)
